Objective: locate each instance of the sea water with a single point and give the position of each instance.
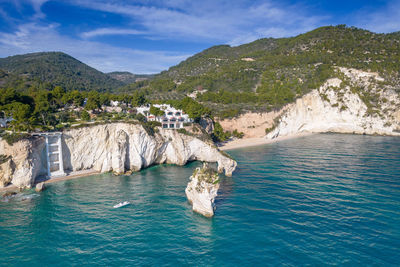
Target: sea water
(317, 200)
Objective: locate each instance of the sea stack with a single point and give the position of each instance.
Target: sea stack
(202, 190)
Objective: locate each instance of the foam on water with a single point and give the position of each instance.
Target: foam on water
(318, 200)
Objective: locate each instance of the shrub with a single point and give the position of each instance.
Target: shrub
(14, 137)
(151, 127)
(236, 134)
(270, 129)
(4, 158)
(85, 116)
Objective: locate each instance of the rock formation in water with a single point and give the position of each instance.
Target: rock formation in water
(202, 190)
(40, 187)
(357, 102)
(116, 147)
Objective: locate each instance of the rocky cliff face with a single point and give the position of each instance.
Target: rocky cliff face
(355, 102)
(202, 190)
(117, 147)
(25, 162)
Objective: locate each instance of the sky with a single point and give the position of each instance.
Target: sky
(146, 36)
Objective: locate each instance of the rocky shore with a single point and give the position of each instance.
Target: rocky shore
(116, 147)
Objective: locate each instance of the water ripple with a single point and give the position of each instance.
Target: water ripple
(317, 200)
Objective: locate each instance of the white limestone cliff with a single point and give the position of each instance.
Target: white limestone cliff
(338, 107)
(116, 147)
(202, 190)
(25, 163)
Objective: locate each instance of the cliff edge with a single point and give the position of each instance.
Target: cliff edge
(353, 102)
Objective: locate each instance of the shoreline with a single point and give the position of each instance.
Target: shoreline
(69, 176)
(257, 141)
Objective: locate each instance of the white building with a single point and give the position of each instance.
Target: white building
(5, 121)
(172, 119)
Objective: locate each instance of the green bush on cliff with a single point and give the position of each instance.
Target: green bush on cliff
(4, 158)
(14, 137)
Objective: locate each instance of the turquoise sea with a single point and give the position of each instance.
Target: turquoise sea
(317, 200)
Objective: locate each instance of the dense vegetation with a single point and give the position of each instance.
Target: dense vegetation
(269, 73)
(55, 69)
(41, 109)
(48, 91)
(128, 78)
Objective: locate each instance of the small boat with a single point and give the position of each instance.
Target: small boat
(121, 204)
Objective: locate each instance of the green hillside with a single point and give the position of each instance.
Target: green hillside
(56, 69)
(127, 77)
(269, 73)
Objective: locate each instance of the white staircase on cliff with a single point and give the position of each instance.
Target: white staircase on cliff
(54, 155)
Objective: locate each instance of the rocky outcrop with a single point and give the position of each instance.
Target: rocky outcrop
(40, 187)
(202, 190)
(6, 170)
(25, 164)
(207, 124)
(342, 106)
(116, 147)
(120, 147)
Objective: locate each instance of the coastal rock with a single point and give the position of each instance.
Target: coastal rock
(202, 190)
(116, 147)
(207, 124)
(337, 107)
(121, 147)
(8, 195)
(40, 187)
(6, 171)
(27, 161)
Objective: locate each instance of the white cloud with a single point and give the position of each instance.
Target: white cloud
(382, 20)
(110, 31)
(34, 38)
(215, 21)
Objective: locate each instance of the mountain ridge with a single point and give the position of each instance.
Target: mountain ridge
(58, 69)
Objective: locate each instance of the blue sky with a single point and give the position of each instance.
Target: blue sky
(149, 36)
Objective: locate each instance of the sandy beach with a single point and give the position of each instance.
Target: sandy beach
(256, 141)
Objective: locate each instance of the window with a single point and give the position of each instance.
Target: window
(165, 125)
(172, 125)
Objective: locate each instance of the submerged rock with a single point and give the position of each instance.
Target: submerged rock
(40, 187)
(8, 195)
(202, 190)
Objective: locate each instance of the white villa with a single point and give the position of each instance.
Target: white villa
(172, 119)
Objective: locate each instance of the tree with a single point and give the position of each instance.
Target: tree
(93, 101)
(74, 98)
(42, 105)
(218, 134)
(19, 112)
(156, 111)
(58, 92)
(85, 115)
(138, 99)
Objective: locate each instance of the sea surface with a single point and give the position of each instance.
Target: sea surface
(318, 200)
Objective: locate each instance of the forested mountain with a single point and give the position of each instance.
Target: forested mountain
(262, 75)
(127, 77)
(269, 73)
(54, 69)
